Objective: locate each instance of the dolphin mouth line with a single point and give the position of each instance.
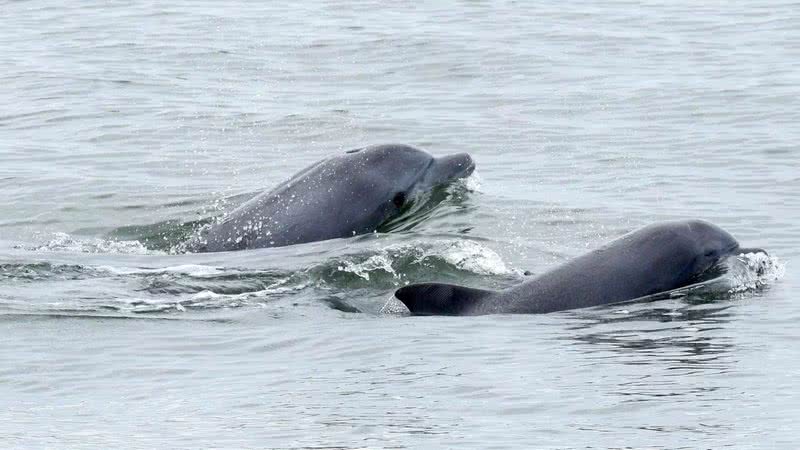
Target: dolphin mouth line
(469, 169)
(745, 250)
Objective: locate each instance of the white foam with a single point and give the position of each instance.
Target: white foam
(204, 299)
(63, 242)
(274, 288)
(476, 258)
(469, 256)
(751, 271)
(206, 295)
(193, 270)
(381, 261)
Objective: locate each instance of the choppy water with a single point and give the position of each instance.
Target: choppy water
(120, 123)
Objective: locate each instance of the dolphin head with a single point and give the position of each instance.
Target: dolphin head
(392, 175)
(407, 165)
(342, 196)
(711, 244)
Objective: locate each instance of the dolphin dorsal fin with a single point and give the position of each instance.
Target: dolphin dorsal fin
(440, 299)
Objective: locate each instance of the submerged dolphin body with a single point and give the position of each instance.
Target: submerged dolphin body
(345, 195)
(657, 258)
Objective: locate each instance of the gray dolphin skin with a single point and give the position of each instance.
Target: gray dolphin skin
(345, 195)
(657, 258)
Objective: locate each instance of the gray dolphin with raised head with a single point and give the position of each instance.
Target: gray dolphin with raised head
(654, 259)
(345, 195)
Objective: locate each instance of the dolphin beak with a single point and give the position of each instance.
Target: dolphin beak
(451, 167)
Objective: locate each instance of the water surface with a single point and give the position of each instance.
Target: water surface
(123, 123)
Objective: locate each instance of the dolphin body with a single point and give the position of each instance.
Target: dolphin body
(654, 259)
(345, 195)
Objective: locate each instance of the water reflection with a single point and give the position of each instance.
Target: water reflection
(678, 349)
(679, 334)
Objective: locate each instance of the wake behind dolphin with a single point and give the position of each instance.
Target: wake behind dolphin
(345, 195)
(655, 259)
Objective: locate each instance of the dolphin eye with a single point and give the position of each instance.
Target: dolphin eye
(399, 199)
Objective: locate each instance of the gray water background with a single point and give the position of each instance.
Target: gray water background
(587, 120)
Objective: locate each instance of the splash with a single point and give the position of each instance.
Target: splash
(472, 183)
(473, 257)
(740, 273)
(751, 271)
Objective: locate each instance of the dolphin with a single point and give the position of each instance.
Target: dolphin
(344, 195)
(657, 258)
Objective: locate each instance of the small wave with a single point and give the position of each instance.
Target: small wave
(399, 261)
(469, 256)
(126, 288)
(63, 242)
(202, 286)
(203, 300)
(208, 299)
(167, 236)
(192, 270)
(43, 271)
